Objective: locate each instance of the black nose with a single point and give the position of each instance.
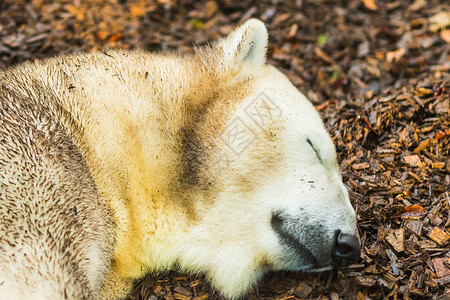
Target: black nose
(345, 249)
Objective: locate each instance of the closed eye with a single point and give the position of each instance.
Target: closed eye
(315, 150)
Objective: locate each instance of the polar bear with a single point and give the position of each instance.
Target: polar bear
(115, 164)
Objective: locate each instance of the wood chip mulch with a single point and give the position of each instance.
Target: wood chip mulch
(378, 72)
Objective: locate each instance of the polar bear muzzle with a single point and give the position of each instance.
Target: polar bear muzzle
(309, 248)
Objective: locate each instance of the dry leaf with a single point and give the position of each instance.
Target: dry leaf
(194, 283)
(370, 4)
(395, 55)
(137, 10)
(78, 12)
(393, 261)
(426, 244)
(423, 92)
(365, 282)
(439, 236)
(417, 4)
(211, 8)
(441, 266)
(397, 239)
(325, 105)
(422, 146)
(412, 160)
(115, 37)
(179, 296)
(412, 174)
(439, 21)
(360, 166)
(410, 211)
(292, 31)
(440, 134)
(360, 296)
(102, 34)
(445, 35)
(202, 297)
(438, 165)
(415, 226)
(302, 290)
(323, 56)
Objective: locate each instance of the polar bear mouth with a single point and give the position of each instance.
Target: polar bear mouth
(291, 234)
(308, 247)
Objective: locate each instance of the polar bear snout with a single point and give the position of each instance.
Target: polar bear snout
(345, 249)
(310, 246)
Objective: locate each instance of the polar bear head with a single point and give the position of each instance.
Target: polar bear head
(274, 196)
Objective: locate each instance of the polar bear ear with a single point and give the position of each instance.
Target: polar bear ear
(246, 44)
